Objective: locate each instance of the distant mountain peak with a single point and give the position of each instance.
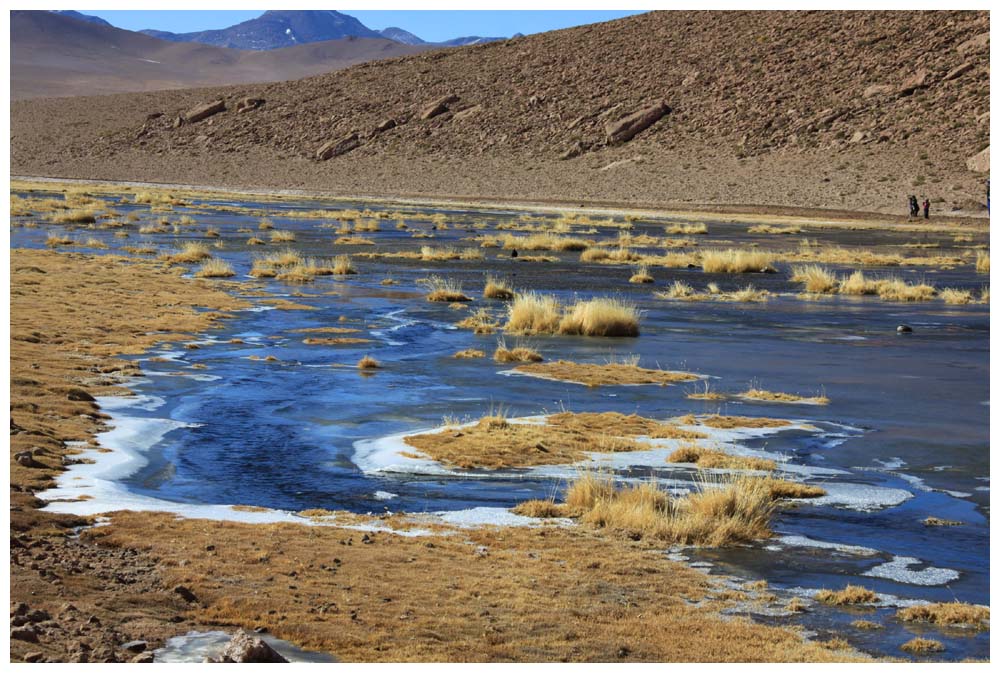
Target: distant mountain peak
(79, 16)
(400, 35)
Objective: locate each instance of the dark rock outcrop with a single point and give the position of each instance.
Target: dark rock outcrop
(625, 129)
(335, 148)
(204, 111)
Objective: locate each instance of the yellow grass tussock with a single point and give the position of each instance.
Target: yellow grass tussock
(601, 316)
(519, 353)
(947, 614)
(497, 289)
(852, 594)
(215, 268)
(443, 289)
(736, 261)
(922, 646)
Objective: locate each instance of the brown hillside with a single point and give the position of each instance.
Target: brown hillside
(53, 55)
(846, 110)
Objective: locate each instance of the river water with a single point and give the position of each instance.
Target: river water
(905, 436)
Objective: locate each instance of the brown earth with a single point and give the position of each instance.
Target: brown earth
(54, 55)
(545, 594)
(849, 111)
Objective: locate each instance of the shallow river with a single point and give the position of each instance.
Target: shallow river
(905, 436)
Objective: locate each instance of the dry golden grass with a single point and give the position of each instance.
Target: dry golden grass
(715, 459)
(215, 268)
(947, 614)
(519, 353)
(262, 269)
(787, 398)
(896, 289)
(983, 262)
(55, 240)
(469, 353)
(815, 278)
(858, 284)
(561, 439)
(75, 216)
(282, 236)
(771, 229)
(443, 289)
(253, 240)
(784, 489)
(627, 372)
(601, 316)
(935, 521)
(540, 509)
(497, 289)
(543, 241)
(431, 254)
(680, 290)
(736, 261)
(687, 229)
(342, 266)
(641, 275)
(952, 296)
(368, 362)
(353, 240)
(866, 625)
(852, 594)
(730, 422)
(265, 225)
(533, 313)
(706, 394)
(190, 252)
(492, 607)
(922, 646)
(719, 513)
(984, 295)
(480, 322)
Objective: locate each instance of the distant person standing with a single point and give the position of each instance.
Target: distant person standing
(927, 209)
(914, 209)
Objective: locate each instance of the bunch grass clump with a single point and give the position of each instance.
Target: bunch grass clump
(601, 316)
(714, 459)
(342, 266)
(736, 261)
(444, 289)
(947, 614)
(497, 289)
(215, 268)
(983, 261)
(368, 362)
(519, 353)
(922, 646)
(190, 252)
(278, 236)
(852, 594)
(641, 275)
(718, 513)
(533, 313)
(815, 278)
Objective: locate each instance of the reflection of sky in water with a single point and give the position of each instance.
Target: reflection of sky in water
(283, 434)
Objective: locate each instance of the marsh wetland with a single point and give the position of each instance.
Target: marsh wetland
(683, 352)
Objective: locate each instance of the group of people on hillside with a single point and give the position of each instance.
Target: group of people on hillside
(915, 207)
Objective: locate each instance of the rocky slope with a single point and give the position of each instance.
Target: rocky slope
(823, 109)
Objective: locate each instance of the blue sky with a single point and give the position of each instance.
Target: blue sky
(431, 25)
